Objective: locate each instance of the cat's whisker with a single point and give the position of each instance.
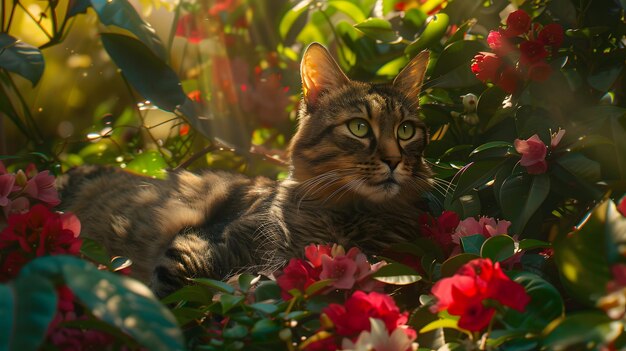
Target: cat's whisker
(343, 189)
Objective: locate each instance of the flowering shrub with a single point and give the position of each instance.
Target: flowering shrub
(522, 236)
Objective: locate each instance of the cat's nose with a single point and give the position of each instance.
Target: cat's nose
(392, 162)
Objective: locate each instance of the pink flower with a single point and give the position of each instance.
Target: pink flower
(6, 187)
(464, 293)
(340, 268)
(379, 339)
(486, 226)
(518, 22)
(533, 152)
(42, 188)
(498, 43)
(314, 253)
(298, 274)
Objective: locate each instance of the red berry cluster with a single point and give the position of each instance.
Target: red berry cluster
(519, 52)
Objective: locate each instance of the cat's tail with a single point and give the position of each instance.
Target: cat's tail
(70, 183)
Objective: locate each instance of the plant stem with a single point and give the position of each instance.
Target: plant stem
(30, 121)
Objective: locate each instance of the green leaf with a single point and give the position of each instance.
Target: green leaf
(263, 328)
(146, 72)
(582, 257)
(215, 284)
(396, 274)
(291, 16)
(21, 58)
(150, 163)
(581, 166)
(546, 304)
(436, 27)
(378, 29)
(267, 290)
(266, 308)
(121, 13)
(461, 31)
(95, 252)
(229, 302)
(35, 303)
(246, 280)
(189, 293)
(530, 244)
(450, 266)
(473, 175)
(582, 329)
(74, 7)
(455, 55)
(473, 243)
(504, 148)
(317, 286)
(498, 248)
(521, 196)
(237, 332)
(349, 9)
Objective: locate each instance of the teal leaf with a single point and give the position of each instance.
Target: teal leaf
(95, 252)
(265, 308)
(189, 293)
(267, 290)
(216, 284)
(521, 196)
(75, 7)
(263, 328)
(35, 303)
(121, 13)
(229, 302)
(21, 58)
(472, 243)
(7, 311)
(152, 78)
(246, 280)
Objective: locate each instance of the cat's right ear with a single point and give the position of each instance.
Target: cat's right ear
(319, 72)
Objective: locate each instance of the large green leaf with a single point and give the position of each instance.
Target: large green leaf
(436, 27)
(521, 196)
(150, 163)
(583, 256)
(117, 300)
(349, 9)
(378, 29)
(584, 330)
(396, 274)
(74, 7)
(7, 310)
(291, 16)
(455, 55)
(21, 58)
(121, 13)
(546, 304)
(35, 302)
(498, 248)
(452, 264)
(474, 175)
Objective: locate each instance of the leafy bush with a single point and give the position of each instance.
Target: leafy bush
(522, 245)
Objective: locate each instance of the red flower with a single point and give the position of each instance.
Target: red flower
(509, 80)
(13, 263)
(621, 207)
(551, 35)
(440, 229)
(40, 232)
(539, 71)
(353, 317)
(190, 27)
(486, 66)
(498, 44)
(298, 274)
(533, 152)
(532, 51)
(340, 268)
(464, 293)
(518, 22)
(222, 6)
(314, 253)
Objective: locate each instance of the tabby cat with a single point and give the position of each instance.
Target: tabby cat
(356, 176)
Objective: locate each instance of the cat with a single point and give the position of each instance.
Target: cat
(356, 175)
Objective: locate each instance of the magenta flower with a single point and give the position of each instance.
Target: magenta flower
(41, 187)
(485, 226)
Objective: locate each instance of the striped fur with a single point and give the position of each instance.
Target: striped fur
(356, 191)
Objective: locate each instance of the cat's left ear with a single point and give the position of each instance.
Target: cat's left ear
(320, 72)
(410, 79)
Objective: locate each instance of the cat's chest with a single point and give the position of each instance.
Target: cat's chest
(370, 230)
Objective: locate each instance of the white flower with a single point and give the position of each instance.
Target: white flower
(378, 339)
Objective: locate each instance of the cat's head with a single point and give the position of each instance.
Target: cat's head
(359, 140)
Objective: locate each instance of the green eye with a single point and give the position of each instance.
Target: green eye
(406, 130)
(359, 127)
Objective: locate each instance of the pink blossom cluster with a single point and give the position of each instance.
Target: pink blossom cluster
(347, 270)
(18, 190)
(534, 152)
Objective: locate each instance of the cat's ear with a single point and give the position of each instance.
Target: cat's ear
(409, 81)
(319, 72)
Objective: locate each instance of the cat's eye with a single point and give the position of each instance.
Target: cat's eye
(406, 130)
(359, 127)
